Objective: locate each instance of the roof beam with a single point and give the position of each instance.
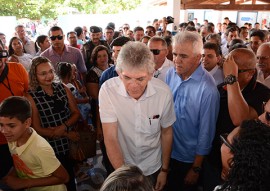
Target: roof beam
(245, 7)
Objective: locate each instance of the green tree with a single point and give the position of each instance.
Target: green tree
(35, 9)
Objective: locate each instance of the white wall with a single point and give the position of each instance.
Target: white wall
(8, 24)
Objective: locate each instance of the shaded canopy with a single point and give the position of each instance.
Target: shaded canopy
(234, 5)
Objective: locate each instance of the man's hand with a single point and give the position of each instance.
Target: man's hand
(161, 181)
(191, 177)
(230, 67)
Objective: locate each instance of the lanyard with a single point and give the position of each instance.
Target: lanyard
(8, 86)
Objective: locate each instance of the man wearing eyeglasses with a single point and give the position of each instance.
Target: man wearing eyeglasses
(109, 33)
(263, 64)
(196, 106)
(241, 98)
(59, 52)
(158, 47)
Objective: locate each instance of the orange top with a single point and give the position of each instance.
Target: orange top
(16, 82)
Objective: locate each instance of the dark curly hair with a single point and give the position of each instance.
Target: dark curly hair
(250, 165)
(95, 54)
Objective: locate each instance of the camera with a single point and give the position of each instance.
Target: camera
(169, 20)
(3, 53)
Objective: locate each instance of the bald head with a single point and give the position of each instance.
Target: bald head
(263, 58)
(244, 58)
(265, 48)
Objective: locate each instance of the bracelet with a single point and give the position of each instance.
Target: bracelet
(66, 126)
(164, 170)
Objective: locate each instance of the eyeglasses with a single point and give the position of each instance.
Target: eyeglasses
(224, 140)
(156, 51)
(244, 70)
(267, 114)
(149, 32)
(59, 37)
(45, 74)
(262, 57)
(125, 28)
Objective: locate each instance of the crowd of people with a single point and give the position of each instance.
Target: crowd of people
(186, 112)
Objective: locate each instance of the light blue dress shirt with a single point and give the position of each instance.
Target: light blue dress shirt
(196, 103)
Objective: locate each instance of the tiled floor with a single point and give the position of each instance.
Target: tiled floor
(91, 174)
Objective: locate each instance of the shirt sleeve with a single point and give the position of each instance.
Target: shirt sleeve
(106, 110)
(81, 64)
(48, 160)
(208, 117)
(168, 117)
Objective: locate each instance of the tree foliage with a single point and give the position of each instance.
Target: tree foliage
(35, 9)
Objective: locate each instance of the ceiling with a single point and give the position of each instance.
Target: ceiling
(250, 5)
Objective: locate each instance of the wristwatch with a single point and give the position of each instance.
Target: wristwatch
(230, 79)
(196, 169)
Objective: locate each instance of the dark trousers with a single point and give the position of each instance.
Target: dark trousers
(6, 161)
(211, 176)
(68, 164)
(176, 176)
(6, 164)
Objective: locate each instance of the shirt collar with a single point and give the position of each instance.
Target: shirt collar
(213, 71)
(196, 75)
(21, 149)
(52, 52)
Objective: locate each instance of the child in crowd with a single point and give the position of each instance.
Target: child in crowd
(35, 164)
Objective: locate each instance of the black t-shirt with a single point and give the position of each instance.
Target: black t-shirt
(255, 94)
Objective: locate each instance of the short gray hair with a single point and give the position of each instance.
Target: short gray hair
(135, 55)
(189, 37)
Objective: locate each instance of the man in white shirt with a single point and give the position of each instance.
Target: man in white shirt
(263, 64)
(231, 33)
(210, 60)
(28, 44)
(137, 114)
(159, 48)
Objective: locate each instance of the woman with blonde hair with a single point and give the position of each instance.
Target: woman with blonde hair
(54, 112)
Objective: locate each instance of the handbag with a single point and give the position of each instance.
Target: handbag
(87, 142)
(76, 152)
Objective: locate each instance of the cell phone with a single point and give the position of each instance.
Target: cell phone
(3, 53)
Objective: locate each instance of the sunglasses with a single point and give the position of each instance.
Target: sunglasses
(245, 70)
(156, 51)
(224, 140)
(59, 37)
(267, 114)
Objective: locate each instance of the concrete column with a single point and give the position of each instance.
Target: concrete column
(174, 9)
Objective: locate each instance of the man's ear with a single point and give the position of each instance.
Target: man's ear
(219, 58)
(119, 74)
(198, 57)
(28, 122)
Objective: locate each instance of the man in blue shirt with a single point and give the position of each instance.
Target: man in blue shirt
(196, 103)
(116, 46)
